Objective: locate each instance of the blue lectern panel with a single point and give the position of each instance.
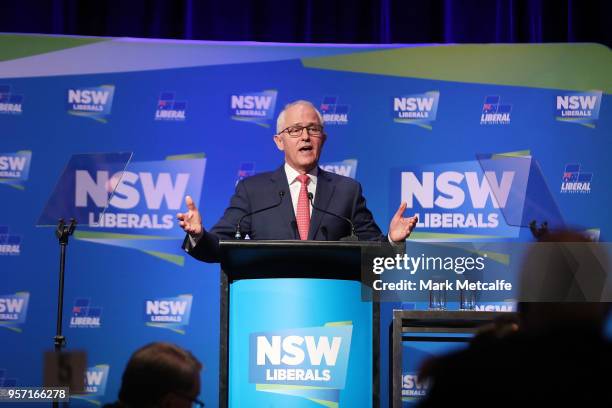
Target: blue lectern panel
(299, 343)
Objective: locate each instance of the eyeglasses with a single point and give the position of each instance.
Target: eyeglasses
(312, 130)
(195, 403)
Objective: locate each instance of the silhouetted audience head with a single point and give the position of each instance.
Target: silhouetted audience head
(160, 375)
(563, 283)
(562, 313)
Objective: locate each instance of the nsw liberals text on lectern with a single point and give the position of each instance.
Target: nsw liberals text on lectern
(294, 328)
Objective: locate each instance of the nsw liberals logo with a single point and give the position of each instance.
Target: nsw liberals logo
(15, 168)
(347, 168)
(495, 307)
(94, 103)
(416, 109)
(169, 313)
(85, 315)
(308, 362)
(13, 310)
(9, 244)
(333, 112)
(141, 214)
(575, 180)
(256, 107)
(460, 198)
(146, 197)
(96, 378)
(168, 108)
(412, 387)
(494, 112)
(10, 103)
(578, 107)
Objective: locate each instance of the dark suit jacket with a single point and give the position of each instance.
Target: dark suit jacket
(336, 194)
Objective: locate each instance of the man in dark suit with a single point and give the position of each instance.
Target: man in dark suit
(287, 191)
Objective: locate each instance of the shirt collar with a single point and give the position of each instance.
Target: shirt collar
(293, 173)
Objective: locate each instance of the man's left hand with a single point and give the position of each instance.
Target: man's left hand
(401, 227)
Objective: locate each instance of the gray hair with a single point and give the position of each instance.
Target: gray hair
(280, 121)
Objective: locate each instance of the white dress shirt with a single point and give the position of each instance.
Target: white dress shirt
(295, 185)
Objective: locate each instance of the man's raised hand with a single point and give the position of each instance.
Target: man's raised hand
(191, 221)
(400, 226)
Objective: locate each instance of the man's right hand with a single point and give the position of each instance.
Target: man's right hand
(191, 221)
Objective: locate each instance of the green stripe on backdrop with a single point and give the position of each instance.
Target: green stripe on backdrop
(186, 156)
(554, 66)
(13, 46)
(114, 235)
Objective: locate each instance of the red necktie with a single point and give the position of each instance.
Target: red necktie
(303, 208)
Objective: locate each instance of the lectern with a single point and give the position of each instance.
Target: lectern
(294, 329)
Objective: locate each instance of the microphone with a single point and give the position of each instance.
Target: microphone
(353, 236)
(238, 234)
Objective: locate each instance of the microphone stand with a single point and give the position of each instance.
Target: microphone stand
(63, 233)
(238, 234)
(353, 236)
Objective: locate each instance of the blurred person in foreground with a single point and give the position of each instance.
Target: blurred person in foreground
(160, 375)
(559, 355)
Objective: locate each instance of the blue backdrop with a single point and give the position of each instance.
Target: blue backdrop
(198, 116)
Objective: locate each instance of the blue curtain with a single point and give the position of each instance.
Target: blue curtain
(334, 21)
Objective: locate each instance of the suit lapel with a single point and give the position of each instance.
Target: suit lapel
(324, 193)
(279, 178)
